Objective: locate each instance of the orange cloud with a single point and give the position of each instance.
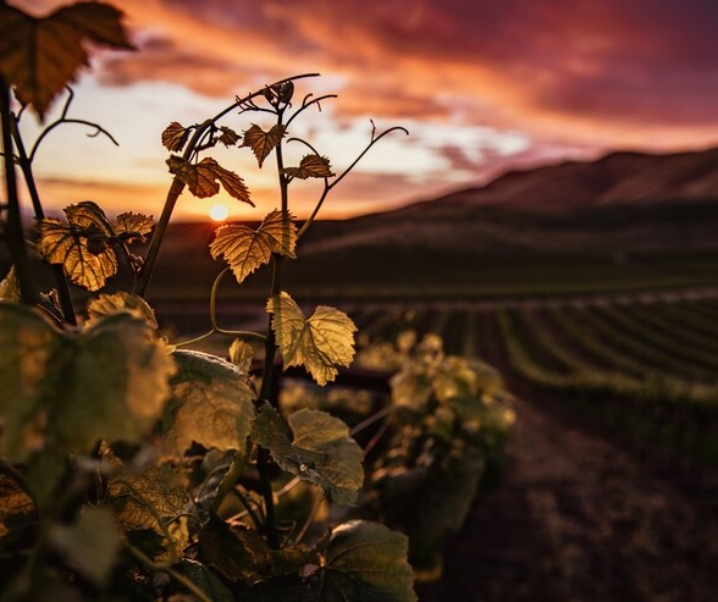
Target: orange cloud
(573, 77)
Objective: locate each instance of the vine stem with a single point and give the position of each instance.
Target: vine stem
(178, 185)
(15, 234)
(68, 311)
(328, 187)
(213, 313)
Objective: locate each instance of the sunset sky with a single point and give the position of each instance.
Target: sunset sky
(482, 86)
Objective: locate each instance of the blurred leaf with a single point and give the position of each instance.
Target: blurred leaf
(320, 450)
(106, 305)
(10, 288)
(241, 355)
(238, 554)
(411, 388)
(228, 137)
(321, 343)
(175, 137)
(311, 166)
(66, 390)
(147, 506)
(262, 143)
(135, 224)
(204, 178)
(246, 249)
(211, 404)
(90, 544)
(40, 56)
(17, 510)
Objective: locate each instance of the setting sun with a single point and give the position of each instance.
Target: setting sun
(218, 212)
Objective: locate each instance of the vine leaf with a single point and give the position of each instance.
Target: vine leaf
(311, 166)
(175, 137)
(90, 544)
(320, 451)
(81, 246)
(228, 137)
(320, 344)
(262, 143)
(367, 561)
(241, 355)
(40, 56)
(204, 178)
(66, 390)
(106, 305)
(10, 288)
(206, 580)
(246, 249)
(211, 404)
(133, 225)
(86, 261)
(89, 216)
(362, 561)
(147, 506)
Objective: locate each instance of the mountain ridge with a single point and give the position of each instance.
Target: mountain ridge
(624, 201)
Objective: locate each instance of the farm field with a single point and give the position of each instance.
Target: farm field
(609, 490)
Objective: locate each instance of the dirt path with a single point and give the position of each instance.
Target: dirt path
(577, 518)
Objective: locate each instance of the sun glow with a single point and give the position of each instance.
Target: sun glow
(218, 213)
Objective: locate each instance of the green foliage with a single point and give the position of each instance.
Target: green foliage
(64, 390)
(362, 561)
(124, 456)
(211, 404)
(451, 419)
(320, 450)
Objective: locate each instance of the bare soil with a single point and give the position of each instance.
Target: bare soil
(577, 516)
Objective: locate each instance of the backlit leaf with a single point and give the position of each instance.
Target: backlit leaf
(211, 404)
(175, 137)
(10, 288)
(320, 450)
(89, 217)
(203, 179)
(246, 249)
(106, 305)
(311, 166)
(90, 544)
(136, 224)
(262, 143)
(320, 344)
(228, 137)
(241, 355)
(66, 390)
(86, 261)
(40, 56)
